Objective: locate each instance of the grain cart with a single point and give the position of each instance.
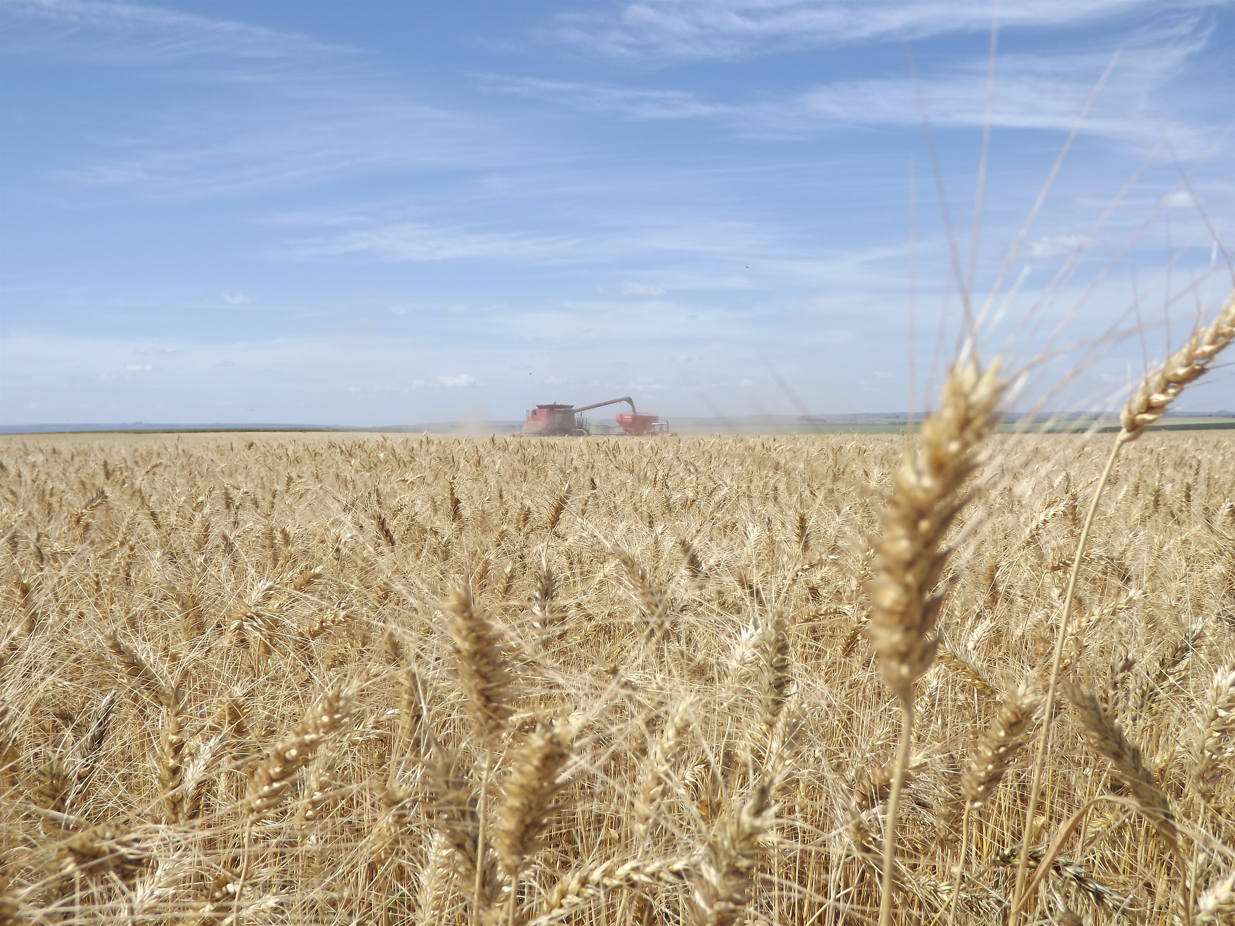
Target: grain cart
(643, 425)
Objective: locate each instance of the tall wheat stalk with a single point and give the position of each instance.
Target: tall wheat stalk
(1159, 389)
(910, 557)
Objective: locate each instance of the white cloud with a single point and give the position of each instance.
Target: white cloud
(746, 382)
(1056, 245)
(140, 367)
(459, 308)
(883, 374)
(1180, 199)
(400, 310)
(462, 380)
(232, 297)
(631, 288)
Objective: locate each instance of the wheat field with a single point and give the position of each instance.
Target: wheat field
(392, 679)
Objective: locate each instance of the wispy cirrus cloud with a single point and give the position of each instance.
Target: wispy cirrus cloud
(419, 242)
(688, 30)
(686, 250)
(385, 236)
(137, 33)
(261, 107)
(289, 132)
(1032, 91)
(634, 288)
(633, 102)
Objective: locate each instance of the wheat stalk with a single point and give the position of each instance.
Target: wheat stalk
(910, 557)
(528, 795)
(1158, 390)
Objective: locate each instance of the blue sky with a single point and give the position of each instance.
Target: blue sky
(386, 213)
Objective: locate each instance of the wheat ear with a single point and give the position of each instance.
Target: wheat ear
(909, 558)
(139, 670)
(171, 759)
(1217, 734)
(485, 678)
(557, 508)
(10, 909)
(483, 671)
(276, 772)
(10, 751)
(1159, 389)
(991, 758)
(1108, 740)
(653, 603)
(656, 775)
(1217, 905)
(726, 872)
(529, 791)
(579, 887)
(776, 668)
(999, 746)
(452, 805)
(1163, 386)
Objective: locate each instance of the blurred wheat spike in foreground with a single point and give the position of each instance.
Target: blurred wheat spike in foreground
(924, 503)
(405, 681)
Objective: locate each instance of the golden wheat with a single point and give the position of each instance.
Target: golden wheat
(230, 690)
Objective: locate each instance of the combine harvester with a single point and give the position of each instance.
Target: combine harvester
(556, 420)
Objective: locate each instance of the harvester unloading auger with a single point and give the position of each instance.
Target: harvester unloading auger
(555, 420)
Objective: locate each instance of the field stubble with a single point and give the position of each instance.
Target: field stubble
(326, 680)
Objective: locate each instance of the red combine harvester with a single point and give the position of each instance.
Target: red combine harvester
(556, 420)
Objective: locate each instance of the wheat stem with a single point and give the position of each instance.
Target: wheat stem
(955, 899)
(1158, 390)
(894, 798)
